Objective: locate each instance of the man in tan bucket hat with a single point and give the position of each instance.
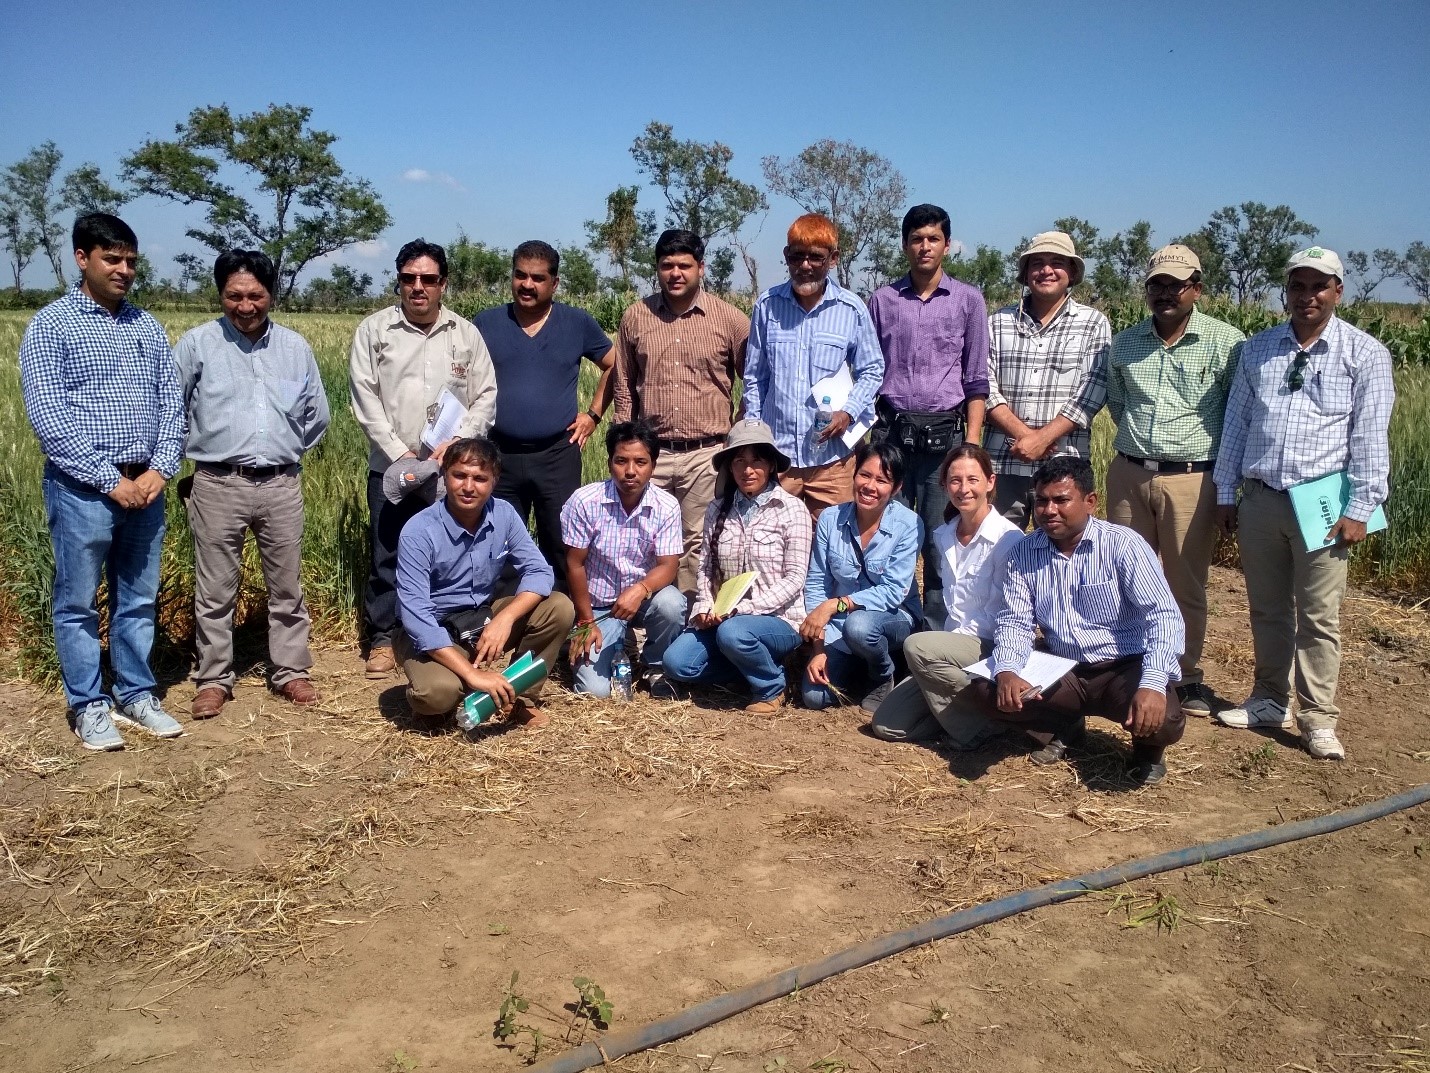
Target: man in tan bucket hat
(1167, 383)
(1047, 369)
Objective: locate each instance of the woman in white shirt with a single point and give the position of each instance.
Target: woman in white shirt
(973, 545)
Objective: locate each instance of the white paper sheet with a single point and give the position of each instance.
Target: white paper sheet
(838, 387)
(1042, 670)
(443, 426)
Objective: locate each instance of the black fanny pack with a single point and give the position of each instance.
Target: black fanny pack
(914, 430)
(466, 625)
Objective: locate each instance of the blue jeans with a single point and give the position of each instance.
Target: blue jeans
(91, 534)
(752, 647)
(662, 617)
(870, 636)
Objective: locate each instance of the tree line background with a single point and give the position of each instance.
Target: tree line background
(270, 180)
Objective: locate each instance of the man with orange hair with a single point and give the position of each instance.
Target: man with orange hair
(802, 331)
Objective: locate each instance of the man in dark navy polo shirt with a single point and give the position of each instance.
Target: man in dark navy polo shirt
(536, 346)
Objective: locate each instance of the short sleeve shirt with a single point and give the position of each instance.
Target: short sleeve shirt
(537, 375)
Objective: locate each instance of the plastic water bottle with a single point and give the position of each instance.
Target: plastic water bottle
(621, 684)
(822, 417)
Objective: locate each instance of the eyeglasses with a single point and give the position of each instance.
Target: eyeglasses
(1172, 290)
(429, 279)
(1296, 378)
(815, 260)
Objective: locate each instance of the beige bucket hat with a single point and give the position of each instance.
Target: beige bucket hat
(1052, 242)
(747, 434)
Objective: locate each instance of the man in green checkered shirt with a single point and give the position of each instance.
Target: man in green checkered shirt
(1167, 383)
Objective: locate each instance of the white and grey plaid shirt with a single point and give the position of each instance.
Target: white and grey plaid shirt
(1337, 419)
(1047, 371)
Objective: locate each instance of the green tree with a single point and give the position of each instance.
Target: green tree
(1122, 261)
(859, 190)
(1415, 269)
(1214, 278)
(340, 288)
(700, 193)
(720, 270)
(626, 236)
(1086, 237)
(1254, 243)
(987, 269)
(578, 272)
(475, 266)
(193, 269)
(313, 207)
(20, 244)
(85, 190)
(1372, 269)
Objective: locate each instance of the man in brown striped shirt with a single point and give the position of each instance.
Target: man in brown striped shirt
(678, 356)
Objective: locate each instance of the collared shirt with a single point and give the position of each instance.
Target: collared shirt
(397, 372)
(623, 547)
(250, 403)
(1106, 600)
(442, 568)
(935, 349)
(1047, 371)
(973, 573)
(679, 372)
(773, 541)
(1338, 420)
(100, 389)
(877, 578)
(745, 505)
(1168, 401)
(789, 350)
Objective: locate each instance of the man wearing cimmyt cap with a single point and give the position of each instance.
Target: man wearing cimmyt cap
(1047, 371)
(1167, 381)
(1311, 397)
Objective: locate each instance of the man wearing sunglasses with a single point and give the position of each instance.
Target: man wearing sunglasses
(1167, 381)
(1311, 397)
(402, 360)
(802, 331)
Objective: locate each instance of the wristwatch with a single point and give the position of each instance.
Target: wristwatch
(593, 415)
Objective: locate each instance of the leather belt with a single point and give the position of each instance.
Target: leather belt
(257, 473)
(1155, 465)
(677, 446)
(131, 470)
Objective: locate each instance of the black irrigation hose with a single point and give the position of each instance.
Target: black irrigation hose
(722, 1006)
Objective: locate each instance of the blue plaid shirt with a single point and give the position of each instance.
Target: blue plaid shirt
(790, 349)
(101, 389)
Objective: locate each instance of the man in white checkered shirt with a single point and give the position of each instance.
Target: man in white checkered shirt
(1047, 372)
(1311, 397)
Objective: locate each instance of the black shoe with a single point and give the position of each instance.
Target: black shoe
(1196, 699)
(875, 696)
(1060, 746)
(1146, 772)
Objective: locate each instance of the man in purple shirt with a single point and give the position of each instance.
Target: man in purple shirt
(934, 333)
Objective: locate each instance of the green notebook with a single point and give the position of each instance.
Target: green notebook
(478, 707)
(1319, 504)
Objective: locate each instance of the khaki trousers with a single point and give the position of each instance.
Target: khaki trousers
(222, 508)
(922, 706)
(689, 476)
(821, 486)
(434, 690)
(1295, 599)
(1176, 514)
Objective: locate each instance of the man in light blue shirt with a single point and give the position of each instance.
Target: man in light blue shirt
(256, 405)
(450, 559)
(1098, 594)
(1311, 397)
(802, 331)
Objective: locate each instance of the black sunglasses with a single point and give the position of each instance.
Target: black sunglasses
(429, 279)
(1296, 378)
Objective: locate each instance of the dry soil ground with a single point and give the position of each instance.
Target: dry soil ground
(347, 889)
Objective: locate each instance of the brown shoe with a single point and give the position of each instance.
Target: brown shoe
(380, 662)
(530, 714)
(766, 707)
(208, 702)
(298, 691)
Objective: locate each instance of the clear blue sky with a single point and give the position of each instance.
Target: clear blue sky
(1008, 115)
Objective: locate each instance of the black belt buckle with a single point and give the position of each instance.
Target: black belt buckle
(131, 470)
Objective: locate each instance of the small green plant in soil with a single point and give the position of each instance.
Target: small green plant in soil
(507, 1027)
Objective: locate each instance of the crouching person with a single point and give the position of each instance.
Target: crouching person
(623, 541)
(449, 560)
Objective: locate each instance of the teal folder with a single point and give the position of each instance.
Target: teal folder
(1319, 504)
(478, 707)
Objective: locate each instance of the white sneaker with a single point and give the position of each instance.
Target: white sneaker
(1256, 712)
(1324, 745)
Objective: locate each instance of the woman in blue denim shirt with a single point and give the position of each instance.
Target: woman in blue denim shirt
(859, 597)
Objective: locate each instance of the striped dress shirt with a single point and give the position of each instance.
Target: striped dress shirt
(679, 372)
(101, 389)
(1339, 419)
(1106, 600)
(623, 547)
(1047, 371)
(790, 349)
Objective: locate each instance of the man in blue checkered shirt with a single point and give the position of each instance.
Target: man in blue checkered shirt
(102, 393)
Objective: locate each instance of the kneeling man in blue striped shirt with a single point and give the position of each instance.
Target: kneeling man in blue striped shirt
(1098, 594)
